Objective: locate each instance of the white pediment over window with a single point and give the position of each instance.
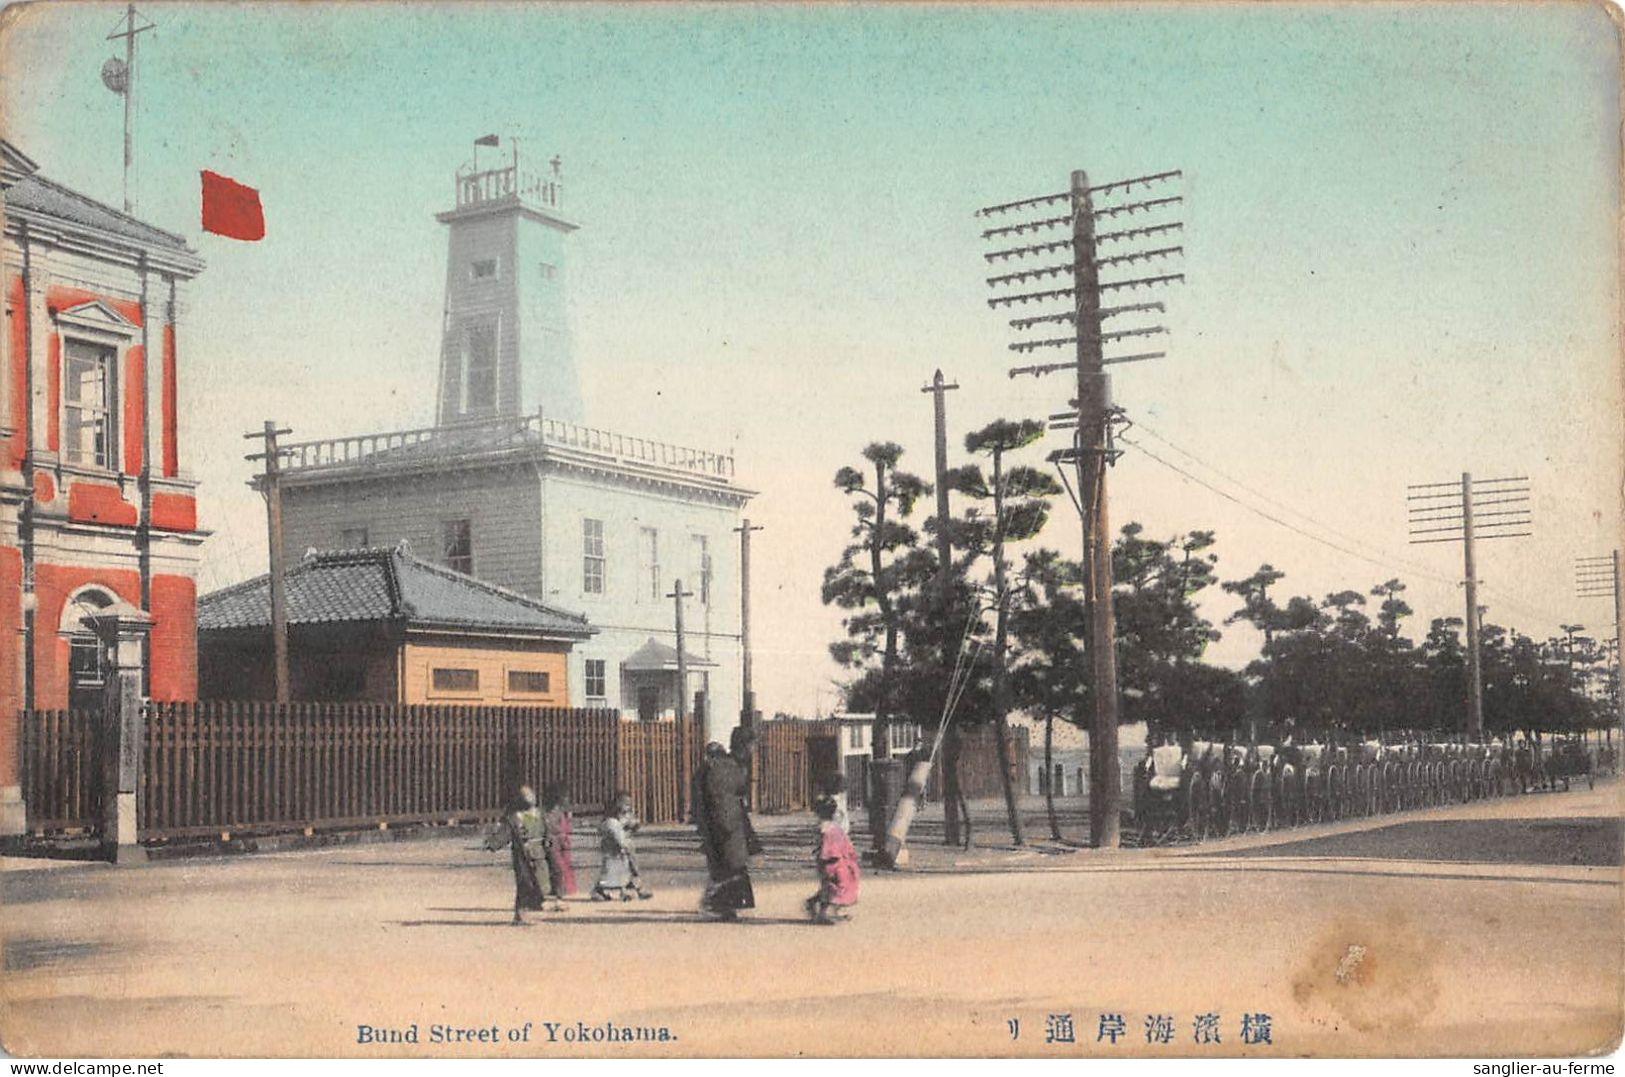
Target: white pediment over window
(96, 316)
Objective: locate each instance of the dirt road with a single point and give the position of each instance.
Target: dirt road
(1469, 935)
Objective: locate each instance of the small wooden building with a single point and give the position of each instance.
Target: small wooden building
(381, 625)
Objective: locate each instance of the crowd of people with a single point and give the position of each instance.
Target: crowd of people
(540, 841)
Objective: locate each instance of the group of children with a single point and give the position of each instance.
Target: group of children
(539, 837)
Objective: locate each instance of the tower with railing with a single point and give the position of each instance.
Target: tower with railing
(505, 347)
(512, 487)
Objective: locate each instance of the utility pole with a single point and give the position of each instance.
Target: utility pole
(271, 486)
(1619, 640)
(1428, 504)
(120, 78)
(1600, 577)
(1475, 658)
(1091, 438)
(747, 714)
(937, 389)
(945, 556)
(677, 595)
(1092, 424)
(1568, 645)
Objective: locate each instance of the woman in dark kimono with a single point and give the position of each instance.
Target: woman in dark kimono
(524, 837)
(720, 791)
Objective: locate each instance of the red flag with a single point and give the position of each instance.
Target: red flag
(230, 209)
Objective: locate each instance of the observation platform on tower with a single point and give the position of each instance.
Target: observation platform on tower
(528, 435)
(510, 186)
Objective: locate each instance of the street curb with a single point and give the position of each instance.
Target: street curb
(205, 848)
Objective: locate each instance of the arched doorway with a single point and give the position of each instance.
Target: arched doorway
(87, 665)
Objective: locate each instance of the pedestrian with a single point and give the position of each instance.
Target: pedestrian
(837, 864)
(834, 787)
(556, 842)
(619, 870)
(720, 816)
(522, 833)
(696, 786)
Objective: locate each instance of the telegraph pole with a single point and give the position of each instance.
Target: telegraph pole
(938, 389)
(1475, 661)
(1429, 503)
(1619, 640)
(271, 487)
(1092, 451)
(747, 714)
(1091, 444)
(1568, 646)
(120, 78)
(677, 595)
(1600, 577)
(945, 556)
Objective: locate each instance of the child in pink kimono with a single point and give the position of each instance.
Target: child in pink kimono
(557, 842)
(837, 865)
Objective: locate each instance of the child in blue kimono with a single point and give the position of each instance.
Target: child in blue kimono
(618, 875)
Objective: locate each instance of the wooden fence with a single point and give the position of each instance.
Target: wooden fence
(646, 758)
(222, 767)
(61, 770)
(792, 756)
(978, 767)
(979, 764)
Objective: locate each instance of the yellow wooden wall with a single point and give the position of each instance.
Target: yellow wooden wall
(492, 661)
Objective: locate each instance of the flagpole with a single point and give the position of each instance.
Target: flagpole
(125, 87)
(129, 100)
(483, 140)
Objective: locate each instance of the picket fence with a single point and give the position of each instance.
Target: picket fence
(222, 767)
(792, 759)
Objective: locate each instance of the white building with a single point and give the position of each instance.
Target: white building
(1069, 755)
(1069, 758)
(857, 734)
(511, 487)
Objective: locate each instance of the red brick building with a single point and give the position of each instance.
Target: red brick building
(94, 505)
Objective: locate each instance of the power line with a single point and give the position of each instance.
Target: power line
(1260, 512)
(1389, 559)
(1388, 562)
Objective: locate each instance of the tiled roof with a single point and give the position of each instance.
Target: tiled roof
(40, 195)
(385, 585)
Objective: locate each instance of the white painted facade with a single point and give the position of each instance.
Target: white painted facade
(693, 541)
(529, 507)
(586, 520)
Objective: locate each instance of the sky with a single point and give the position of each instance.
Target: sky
(1400, 231)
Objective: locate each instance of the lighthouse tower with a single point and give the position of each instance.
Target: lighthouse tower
(506, 349)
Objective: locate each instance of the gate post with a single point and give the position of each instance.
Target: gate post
(122, 630)
(13, 812)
